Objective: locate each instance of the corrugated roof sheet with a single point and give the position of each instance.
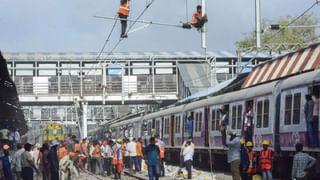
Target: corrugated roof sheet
(194, 76)
(303, 60)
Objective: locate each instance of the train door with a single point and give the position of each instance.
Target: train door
(247, 124)
(172, 128)
(206, 126)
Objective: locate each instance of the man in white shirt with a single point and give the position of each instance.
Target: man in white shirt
(17, 161)
(188, 152)
(132, 149)
(106, 152)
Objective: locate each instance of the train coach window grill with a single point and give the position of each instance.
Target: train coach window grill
(266, 114)
(178, 124)
(158, 127)
(296, 108)
(200, 121)
(236, 116)
(287, 109)
(213, 120)
(259, 114)
(166, 126)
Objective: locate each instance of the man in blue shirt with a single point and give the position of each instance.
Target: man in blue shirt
(152, 154)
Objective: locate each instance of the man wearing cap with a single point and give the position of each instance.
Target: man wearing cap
(252, 160)
(265, 160)
(27, 163)
(234, 155)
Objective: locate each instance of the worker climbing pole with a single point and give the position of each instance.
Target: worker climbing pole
(123, 12)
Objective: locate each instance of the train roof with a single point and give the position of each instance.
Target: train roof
(301, 61)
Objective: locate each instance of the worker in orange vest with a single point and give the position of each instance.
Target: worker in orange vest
(123, 12)
(197, 19)
(252, 156)
(161, 146)
(265, 161)
(139, 153)
(117, 161)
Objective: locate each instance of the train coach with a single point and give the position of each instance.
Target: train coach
(275, 91)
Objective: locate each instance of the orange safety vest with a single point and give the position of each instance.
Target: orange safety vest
(265, 160)
(77, 148)
(196, 17)
(139, 149)
(124, 8)
(162, 152)
(96, 152)
(252, 162)
(117, 156)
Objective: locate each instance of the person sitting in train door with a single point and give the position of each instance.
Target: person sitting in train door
(248, 124)
(197, 19)
(308, 113)
(224, 121)
(252, 156)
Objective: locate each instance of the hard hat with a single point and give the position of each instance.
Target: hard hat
(265, 142)
(119, 140)
(6, 147)
(242, 141)
(249, 144)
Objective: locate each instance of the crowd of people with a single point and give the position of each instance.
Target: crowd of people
(247, 164)
(68, 159)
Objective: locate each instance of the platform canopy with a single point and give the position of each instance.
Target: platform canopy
(303, 60)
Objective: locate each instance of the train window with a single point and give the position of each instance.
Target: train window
(196, 123)
(259, 114)
(266, 114)
(234, 117)
(218, 120)
(213, 120)
(287, 109)
(239, 116)
(200, 121)
(296, 108)
(158, 127)
(178, 124)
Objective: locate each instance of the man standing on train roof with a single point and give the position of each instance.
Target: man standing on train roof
(265, 161)
(123, 12)
(197, 19)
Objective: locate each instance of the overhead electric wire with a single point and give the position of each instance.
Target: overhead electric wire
(295, 19)
(137, 19)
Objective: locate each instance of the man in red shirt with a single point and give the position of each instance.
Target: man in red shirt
(197, 19)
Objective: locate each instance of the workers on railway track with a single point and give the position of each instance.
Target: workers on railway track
(139, 153)
(152, 156)
(252, 156)
(161, 146)
(244, 160)
(265, 161)
(117, 160)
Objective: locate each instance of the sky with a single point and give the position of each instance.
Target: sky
(69, 25)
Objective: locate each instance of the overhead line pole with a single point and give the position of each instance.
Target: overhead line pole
(258, 24)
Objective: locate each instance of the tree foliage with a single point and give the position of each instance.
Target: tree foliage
(285, 38)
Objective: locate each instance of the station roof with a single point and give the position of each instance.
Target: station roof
(133, 55)
(303, 60)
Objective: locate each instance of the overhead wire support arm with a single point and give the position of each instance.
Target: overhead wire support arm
(141, 21)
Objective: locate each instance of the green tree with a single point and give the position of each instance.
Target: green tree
(286, 37)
